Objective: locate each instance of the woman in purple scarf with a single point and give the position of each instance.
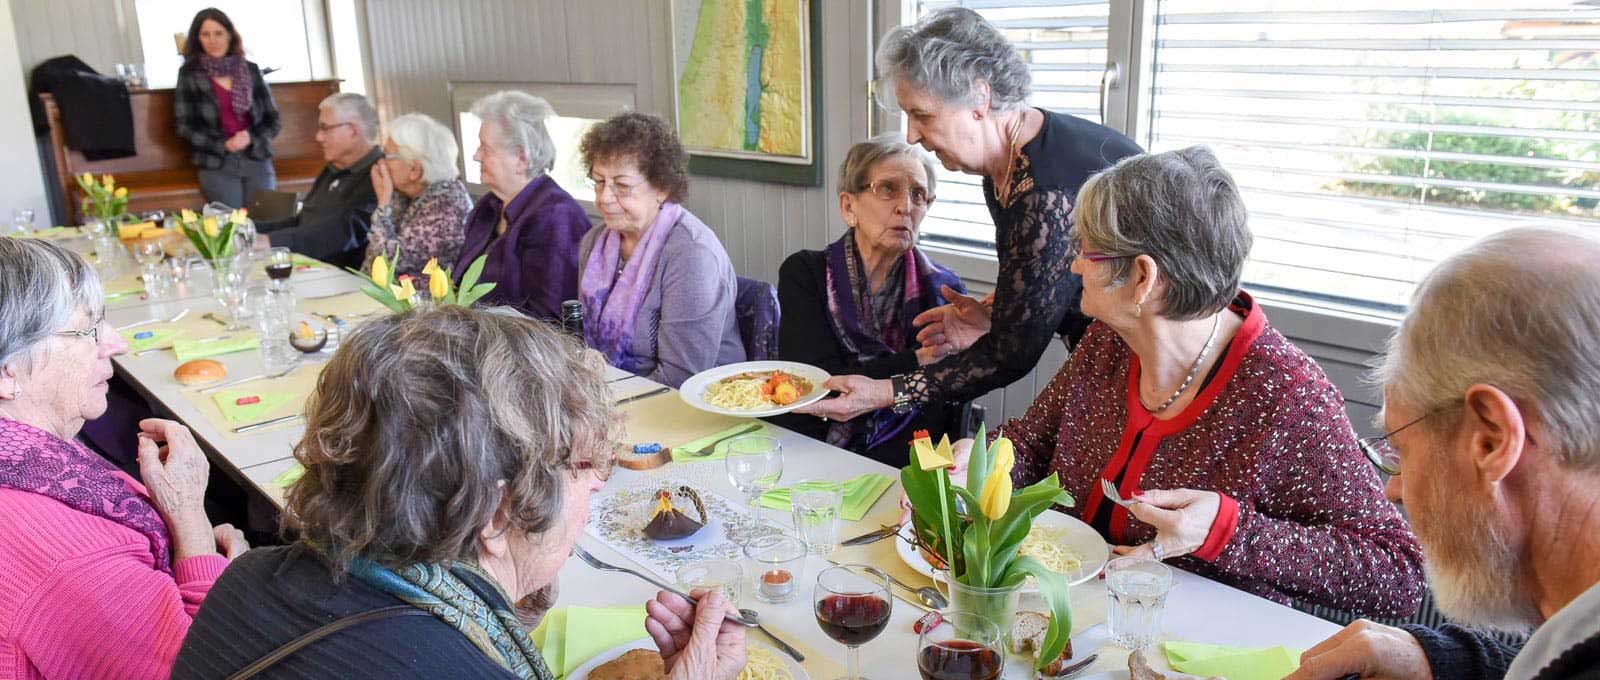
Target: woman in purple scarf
(225, 112)
(848, 309)
(657, 287)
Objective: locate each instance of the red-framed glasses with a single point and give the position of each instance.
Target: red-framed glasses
(1075, 250)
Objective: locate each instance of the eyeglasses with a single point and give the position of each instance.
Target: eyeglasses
(602, 467)
(330, 128)
(1382, 453)
(892, 190)
(92, 332)
(618, 189)
(1075, 250)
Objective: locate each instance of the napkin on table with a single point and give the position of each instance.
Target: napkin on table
(289, 476)
(719, 453)
(859, 495)
(1233, 663)
(189, 350)
(570, 636)
(228, 402)
(52, 232)
(158, 337)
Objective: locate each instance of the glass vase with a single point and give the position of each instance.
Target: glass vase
(995, 604)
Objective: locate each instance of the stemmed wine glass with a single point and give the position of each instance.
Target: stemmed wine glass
(230, 290)
(961, 646)
(280, 265)
(852, 605)
(755, 463)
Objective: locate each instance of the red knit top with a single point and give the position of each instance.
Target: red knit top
(1303, 514)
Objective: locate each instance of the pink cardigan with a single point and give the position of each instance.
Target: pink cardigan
(80, 596)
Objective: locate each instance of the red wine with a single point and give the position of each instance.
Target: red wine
(853, 619)
(279, 271)
(959, 660)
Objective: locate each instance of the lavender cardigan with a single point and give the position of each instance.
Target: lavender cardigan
(534, 265)
(686, 324)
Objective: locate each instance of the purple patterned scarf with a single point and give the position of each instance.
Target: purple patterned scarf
(847, 302)
(611, 300)
(232, 66)
(36, 461)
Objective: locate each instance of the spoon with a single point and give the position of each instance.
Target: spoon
(929, 596)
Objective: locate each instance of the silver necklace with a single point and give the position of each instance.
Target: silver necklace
(1193, 370)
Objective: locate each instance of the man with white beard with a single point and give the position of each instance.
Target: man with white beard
(1492, 405)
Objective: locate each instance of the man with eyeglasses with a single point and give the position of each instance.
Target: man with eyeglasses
(1494, 443)
(335, 215)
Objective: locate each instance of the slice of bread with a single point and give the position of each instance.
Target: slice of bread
(642, 461)
(639, 664)
(1027, 636)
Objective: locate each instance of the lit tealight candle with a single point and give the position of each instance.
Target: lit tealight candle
(777, 584)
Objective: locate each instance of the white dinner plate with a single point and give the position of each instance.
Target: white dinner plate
(693, 390)
(582, 672)
(1081, 539)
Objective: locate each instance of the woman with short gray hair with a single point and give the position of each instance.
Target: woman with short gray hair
(103, 574)
(1233, 442)
(425, 220)
(450, 455)
(527, 225)
(964, 90)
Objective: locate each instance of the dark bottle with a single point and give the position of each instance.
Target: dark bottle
(572, 318)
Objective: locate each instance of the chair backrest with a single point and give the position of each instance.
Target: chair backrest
(756, 306)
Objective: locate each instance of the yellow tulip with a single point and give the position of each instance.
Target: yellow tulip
(438, 284)
(109, 182)
(122, 192)
(188, 215)
(996, 496)
(380, 271)
(404, 291)
(87, 178)
(210, 225)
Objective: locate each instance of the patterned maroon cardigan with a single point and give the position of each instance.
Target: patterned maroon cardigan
(1303, 513)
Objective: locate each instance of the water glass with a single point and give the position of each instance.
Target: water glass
(778, 562)
(724, 575)
(816, 505)
(229, 289)
(159, 282)
(754, 464)
(1137, 588)
(22, 219)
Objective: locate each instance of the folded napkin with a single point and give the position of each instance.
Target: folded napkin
(302, 261)
(52, 232)
(570, 636)
(1233, 663)
(859, 495)
(115, 291)
(159, 337)
(289, 476)
(189, 350)
(718, 453)
(228, 401)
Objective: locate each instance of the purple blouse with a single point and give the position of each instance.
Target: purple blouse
(534, 265)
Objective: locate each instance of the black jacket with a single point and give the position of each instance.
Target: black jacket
(95, 112)
(335, 215)
(199, 121)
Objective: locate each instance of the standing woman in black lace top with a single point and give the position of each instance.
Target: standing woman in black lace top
(964, 91)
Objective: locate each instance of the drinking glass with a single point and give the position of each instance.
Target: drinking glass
(22, 220)
(779, 562)
(961, 646)
(754, 463)
(229, 289)
(852, 605)
(816, 505)
(1137, 588)
(279, 265)
(724, 575)
(149, 252)
(275, 316)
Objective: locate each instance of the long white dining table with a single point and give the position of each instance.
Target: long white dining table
(1197, 609)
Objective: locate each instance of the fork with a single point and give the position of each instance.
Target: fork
(1110, 491)
(175, 318)
(708, 449)
(747, 617)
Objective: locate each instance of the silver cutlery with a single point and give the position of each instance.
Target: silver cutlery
(928, 598)
(212, 316)
(711, 447)
(786, 647)
(266, 423)
(1074, 669)
(241, 381)
(637, 397)
(746, 617)
(329, 295)
(213, 338)
(175, 318)
(871, 536)
(1110, 490)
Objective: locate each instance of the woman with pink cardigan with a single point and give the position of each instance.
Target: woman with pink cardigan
(102, 574)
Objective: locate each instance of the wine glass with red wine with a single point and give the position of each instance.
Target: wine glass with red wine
(280, 265)
(961, 646)
(852, 605)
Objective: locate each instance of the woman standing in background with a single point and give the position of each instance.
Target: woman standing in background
(225, 112)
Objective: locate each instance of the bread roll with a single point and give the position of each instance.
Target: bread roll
(200, 371)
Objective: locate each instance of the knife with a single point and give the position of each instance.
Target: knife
(871, 536)
(637, 397)
(265, 423)
(241, 381)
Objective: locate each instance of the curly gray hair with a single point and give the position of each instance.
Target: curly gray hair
(520, 117)
(42, 286)
(947, 53)
(424, 140)
(1182, 209)
(855, 171)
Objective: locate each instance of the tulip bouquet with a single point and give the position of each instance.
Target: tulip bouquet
(103, 200)
(977, 536)
(211, 238)
(400, 293)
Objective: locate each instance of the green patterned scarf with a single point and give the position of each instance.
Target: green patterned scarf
(465, 597)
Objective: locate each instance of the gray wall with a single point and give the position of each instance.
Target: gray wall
(103, 33)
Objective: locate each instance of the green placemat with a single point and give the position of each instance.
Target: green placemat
(52, 232)
(303, 261)
(1233, 663)
(227, 401)
(289, 476)
(718, 453)
(859, 495)
(189, 350)
(159, 337)
(119, 292)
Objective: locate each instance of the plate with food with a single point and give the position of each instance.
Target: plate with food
(639, 660)
(755, 389)
(1059, 541)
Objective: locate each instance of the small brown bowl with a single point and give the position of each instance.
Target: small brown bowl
(310, 345)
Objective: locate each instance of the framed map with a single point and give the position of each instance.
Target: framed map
(745, 88)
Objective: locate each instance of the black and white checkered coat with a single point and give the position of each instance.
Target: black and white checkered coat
(199, 121)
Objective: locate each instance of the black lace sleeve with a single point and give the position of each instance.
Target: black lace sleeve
(1035, 291)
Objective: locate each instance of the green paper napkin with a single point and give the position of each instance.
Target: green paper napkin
(551, 639)
(123, 291)
(718, 453)
(47, 233)
(302, 261)
(859, 495)
(591, 631)
(249, 413)
(289, 476)
(159, 337)
(1233, 663)
(189, 350)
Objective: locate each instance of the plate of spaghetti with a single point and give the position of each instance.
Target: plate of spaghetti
(762, 663)
(755, 388)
